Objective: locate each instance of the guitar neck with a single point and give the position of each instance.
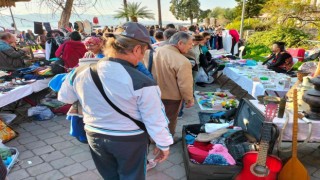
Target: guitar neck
(263, 152)
(295, 124)
(271, 110)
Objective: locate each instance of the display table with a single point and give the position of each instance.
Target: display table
(215, 101)
(22, 91)
(244, 78)
(303, 127)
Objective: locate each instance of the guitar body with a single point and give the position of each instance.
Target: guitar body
(249, 160)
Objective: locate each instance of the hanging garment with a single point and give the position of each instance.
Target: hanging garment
(48, 49)
(47, 26)
(235, 39)
(78, 26)
(38, 29)
(227, 41)
(87, 28)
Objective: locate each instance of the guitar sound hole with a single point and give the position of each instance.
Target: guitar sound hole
(260, 171)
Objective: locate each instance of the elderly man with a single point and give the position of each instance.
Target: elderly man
(173, 72)
(120, 107)
(10, 57)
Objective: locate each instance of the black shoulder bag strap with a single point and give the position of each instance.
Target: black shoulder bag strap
(150, 60)
(97, 82)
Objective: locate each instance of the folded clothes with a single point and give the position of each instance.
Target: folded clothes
(207, 137)
(197, 154)
(220, 140)
(212, 127)
(203, 145)
(223, 151)
(215, 159)
(189, 139)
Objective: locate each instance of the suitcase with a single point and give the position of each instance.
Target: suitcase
(297, 53)
(250, 119)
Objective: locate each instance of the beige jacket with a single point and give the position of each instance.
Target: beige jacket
(173, 73)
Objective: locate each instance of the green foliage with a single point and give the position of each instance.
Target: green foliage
(185, 9)
(204, 14)
(248, 24)
(253, 7)
(297, 65)
(216, 12)
(257, 52)
(134, 11)
(227, 13)
(290, 14)
(291, 36)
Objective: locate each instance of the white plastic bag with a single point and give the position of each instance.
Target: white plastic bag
(40, 113)
(202, 77)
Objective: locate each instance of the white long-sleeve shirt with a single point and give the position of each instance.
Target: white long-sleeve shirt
(130, 90)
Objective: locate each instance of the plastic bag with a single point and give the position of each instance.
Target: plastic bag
(40, 113)
(201, 76)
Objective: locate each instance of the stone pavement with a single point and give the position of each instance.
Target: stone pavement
(47, 151)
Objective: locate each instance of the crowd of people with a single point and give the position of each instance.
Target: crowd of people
(135, 92)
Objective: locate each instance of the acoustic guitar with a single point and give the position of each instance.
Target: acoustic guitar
(259, 165)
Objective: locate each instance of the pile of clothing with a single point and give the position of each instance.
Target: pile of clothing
(213, 146)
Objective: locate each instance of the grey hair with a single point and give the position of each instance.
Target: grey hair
(179, 36)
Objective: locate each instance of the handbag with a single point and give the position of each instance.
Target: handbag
(97, 82)
(6, 132)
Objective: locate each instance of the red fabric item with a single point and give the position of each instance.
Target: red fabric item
(206, 146)
(95, 20)
(197, 154)
(235, 35)
(297, 53)
(73, 51)
(62, 110)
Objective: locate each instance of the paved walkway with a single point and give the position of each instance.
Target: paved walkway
(47, 151)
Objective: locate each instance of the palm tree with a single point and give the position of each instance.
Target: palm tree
(134, 11)
(159, 14)
(125, 6)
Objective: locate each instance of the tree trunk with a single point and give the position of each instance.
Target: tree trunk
(66, 14)
(125, 7)
(159, 14)
(191, 19)
(134, 19)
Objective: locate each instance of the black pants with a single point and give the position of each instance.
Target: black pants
(119, 157)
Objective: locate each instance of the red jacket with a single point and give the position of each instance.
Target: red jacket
(73, 51)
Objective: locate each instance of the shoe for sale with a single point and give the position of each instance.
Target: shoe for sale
(151, 164)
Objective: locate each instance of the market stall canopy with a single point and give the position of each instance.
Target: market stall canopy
(9, 3)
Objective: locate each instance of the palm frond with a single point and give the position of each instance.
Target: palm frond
(134, 10)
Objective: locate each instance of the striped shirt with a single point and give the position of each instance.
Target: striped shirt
(130, 90)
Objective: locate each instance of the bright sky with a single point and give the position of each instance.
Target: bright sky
(109, 6)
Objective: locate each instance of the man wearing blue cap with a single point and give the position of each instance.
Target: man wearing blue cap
(121, 107)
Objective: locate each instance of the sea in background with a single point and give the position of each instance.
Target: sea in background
(25, 22)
